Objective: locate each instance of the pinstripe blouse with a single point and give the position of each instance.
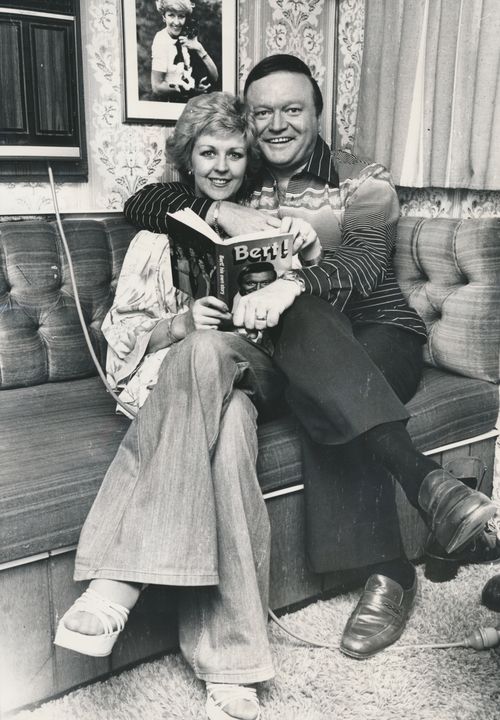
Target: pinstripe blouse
(352, 205)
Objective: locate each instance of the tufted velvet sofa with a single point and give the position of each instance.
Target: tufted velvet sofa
(58, 429)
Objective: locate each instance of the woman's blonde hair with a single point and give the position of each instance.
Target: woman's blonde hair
(176, 5)
(217, 113)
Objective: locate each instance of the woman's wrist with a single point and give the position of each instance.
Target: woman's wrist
(177, 328)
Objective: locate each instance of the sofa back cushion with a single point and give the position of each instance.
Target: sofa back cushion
(449, 271)
(40, 335)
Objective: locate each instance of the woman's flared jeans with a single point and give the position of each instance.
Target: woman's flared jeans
(181, 504)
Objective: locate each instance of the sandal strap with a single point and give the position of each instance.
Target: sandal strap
(113, 616)
(226, 693)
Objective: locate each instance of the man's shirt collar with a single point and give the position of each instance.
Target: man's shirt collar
(321, 163)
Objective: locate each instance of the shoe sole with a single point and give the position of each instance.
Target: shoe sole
(93, 645)
(471, 526)
(362, 656)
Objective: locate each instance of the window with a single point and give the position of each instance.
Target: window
(41, 115)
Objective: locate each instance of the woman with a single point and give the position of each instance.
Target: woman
(180, 504)
(180, 66)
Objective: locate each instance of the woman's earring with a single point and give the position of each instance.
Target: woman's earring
(190, 172)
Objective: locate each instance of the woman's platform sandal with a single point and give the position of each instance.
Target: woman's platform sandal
(112, 616)
(219, 695)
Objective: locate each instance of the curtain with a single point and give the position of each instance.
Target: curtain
(429, 99)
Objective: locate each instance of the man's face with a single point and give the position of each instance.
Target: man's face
(256, 280)
(287, 124)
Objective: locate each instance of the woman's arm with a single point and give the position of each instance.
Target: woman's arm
(204, 314)
(195, 45)
(144, 298)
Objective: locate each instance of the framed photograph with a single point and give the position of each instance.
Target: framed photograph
(174, 50)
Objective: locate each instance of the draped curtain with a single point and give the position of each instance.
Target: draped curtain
(429, 100)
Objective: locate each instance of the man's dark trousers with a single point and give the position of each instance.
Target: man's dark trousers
(344, 381)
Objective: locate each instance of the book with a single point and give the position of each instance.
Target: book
(203, 263)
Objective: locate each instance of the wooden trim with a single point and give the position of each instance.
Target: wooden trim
(36, 13)
(39, 151)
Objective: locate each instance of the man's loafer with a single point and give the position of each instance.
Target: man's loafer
(456, 514)
(379, 618)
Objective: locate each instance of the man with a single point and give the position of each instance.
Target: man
(256, 276)
(348, 344)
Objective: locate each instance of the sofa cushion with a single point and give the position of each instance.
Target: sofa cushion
(57, 439)
(449, 271)
(448, 408)
(40, 335)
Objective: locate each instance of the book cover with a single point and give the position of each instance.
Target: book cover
(203, 263)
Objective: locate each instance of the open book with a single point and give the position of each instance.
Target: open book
(205, 264)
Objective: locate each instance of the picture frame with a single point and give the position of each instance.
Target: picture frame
(182, 70)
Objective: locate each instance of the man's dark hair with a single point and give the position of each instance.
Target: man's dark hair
(284, 63)
(256, 267)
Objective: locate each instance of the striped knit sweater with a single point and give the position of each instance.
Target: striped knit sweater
(352, 205)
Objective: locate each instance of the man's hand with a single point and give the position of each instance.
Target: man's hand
(263, 308)
(237, 219)
(305, 238)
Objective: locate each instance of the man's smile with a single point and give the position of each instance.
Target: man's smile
(278, 140)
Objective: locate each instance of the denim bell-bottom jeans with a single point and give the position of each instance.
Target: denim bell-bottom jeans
(181, 504)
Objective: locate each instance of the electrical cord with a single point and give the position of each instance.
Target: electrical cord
(480, 639)
(128, 411)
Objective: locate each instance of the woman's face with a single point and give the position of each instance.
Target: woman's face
(219, 163)
(175, 22)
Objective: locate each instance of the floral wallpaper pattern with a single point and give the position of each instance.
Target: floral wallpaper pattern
(123, 157)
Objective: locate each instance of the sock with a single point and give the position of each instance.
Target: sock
(391, 445)
(401, 570)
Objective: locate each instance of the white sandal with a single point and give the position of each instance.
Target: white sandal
(112, 616)
(225, 694)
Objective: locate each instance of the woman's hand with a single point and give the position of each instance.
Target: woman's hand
(192, 44)
(305, 238)
(206, 313)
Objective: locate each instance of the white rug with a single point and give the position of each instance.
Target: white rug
(318, 684)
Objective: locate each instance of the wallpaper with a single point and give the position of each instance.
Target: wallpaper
(123, 157)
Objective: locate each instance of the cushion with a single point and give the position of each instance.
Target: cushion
(448, 408)
(449, 271)
(56, 441)
(40, 335)
(45, 496)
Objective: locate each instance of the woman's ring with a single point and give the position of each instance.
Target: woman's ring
(260, 317)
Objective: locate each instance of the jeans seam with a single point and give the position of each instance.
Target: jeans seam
(112, 535)
(213, 441)
(196, 650)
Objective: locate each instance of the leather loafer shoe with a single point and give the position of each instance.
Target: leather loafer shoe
(455, 513)
(379, 618)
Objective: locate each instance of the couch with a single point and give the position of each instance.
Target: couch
(59, 431)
